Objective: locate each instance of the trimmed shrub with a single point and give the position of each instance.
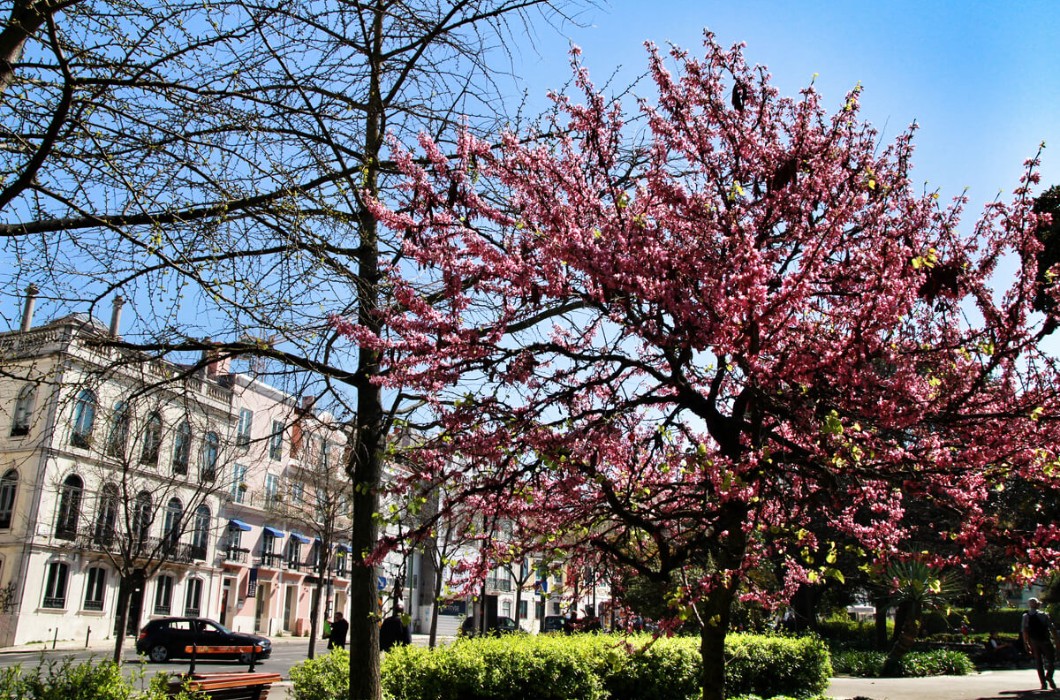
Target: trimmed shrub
(771, 666)
(590, 667)
(87, 680)
(915, 664)
(325, 677)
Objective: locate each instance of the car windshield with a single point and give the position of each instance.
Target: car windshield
(215, 627)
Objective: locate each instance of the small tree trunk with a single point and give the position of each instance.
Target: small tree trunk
(439, 581)
(880, 641)
(122, 618)
(314, 609)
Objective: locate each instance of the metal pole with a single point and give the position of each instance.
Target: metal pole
(55, 638)
(88, 635)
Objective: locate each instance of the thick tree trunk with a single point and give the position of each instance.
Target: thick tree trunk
(905, 638)
(366, 469)
(716, 612)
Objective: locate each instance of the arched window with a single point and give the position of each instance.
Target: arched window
(84, 419)
(181, 448)
(70, 495)
(106, 516)
(24, 405)
(55, 585)
(201, 534)
(118, 436)
(152, 440)
(141, 521)
(210, 449)
(8, 491)
(193, 597)
(171, 523)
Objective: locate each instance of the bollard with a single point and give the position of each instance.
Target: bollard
(88, 635)
(55, 639)
(253, 658)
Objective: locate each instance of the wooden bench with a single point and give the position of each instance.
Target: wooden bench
(227, 686)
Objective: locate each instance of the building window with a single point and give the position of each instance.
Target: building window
(106, 516)
(507, 608)
(118, 436)
(152, 441)
(325, 456)
(97, 578)
(141, 521)
(55, 585)
(171, 522)
(69, 507)
(272, 490)
(193, 597)
(293, 555)
(210, 448)
(201, 533)
(524, 609)
(84, 419)
(239, 483)
(163, 595)
(8, 491)
(24, 410)
(181, 448)
(297, 493)
(276, 441)
(246, 419)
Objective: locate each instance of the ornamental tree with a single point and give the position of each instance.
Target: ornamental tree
(693, 354)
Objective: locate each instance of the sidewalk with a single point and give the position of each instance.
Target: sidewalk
(989, 685)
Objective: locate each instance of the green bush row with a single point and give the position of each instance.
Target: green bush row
(581, 667)
(87, 680)
(915, 664)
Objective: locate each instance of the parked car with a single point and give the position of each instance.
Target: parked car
(173, 637)
(503, 625)
(554, 623)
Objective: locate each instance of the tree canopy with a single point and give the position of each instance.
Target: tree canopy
(689, 350)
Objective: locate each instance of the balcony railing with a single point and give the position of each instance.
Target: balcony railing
(118, 543)
(271, 560)
(237, 555)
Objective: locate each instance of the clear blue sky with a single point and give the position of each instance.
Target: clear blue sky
(982, 79)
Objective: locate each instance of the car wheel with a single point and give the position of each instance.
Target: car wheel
(158, 653)
(244, 657)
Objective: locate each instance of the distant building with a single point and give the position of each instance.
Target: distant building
(225, 495)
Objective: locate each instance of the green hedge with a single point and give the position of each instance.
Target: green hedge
(579, 667)
(87, 680)
(915, 664)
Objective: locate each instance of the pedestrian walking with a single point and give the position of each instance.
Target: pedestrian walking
(339, 628)
(1038, 633)
(394, 631)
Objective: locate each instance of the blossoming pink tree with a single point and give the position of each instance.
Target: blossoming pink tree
(686, 353)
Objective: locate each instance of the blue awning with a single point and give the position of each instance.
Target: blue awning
(299, 538)
(238, 525)
(274, 532)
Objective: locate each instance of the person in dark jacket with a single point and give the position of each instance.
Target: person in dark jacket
(1038, 632)
(394, 632)
(339, 628)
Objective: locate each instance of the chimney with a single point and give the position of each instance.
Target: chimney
(115, 315)
(27, 310)
(307, 403)
(216, 365)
